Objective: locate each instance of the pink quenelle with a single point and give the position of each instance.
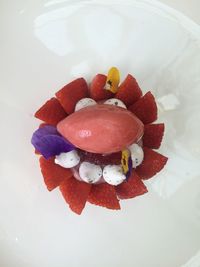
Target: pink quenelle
(101, 128)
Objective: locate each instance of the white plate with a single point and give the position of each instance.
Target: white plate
(44, 45)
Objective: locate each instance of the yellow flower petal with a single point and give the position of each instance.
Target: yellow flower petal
(113, 79)
(124, 160)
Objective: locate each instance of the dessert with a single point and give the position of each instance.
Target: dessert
(96, 142)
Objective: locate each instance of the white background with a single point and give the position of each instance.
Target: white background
(190, 8)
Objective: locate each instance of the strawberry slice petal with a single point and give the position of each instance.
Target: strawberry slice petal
(51, 112)
(129, 91)
(145, 108)
(71, 93)
(53, 174)
(153, 135)
(104, 195)
(75, 193)
(97, 91)
(131, 188)
(153, 163)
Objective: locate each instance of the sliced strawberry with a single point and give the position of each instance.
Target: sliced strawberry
(145, 108)
(97, 91)
(129, 91)
(51, 112)
(53, 174)
(99, 159)
(131, 188)
(153, 163)
(71, 93)
(104, 195)
(153, 134)
(75, 193)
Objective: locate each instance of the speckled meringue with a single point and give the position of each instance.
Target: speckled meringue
(68, 159)
(84, 102)
(115, 102)
(89, 172)
(113, 174)
(137, 154)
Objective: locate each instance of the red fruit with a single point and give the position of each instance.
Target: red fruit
(104, 195)
(97, 91)
(145, 108)
(129, 91)
(51, 112)
(153, 163)
(153, 134)
(75, 193)
(131, 188)
(71, 93)
(99, 159)
(53, 174)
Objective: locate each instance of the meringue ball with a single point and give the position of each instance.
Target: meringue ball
(89, 172)
(68, 159)
(137, 154)
(85, 102)
(113, 174)
(115, 102)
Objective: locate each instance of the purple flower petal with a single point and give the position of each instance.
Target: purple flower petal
(52, 145)
(130, 166)
(45, 130)
(49, 142)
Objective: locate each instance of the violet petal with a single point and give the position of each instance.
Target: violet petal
(130, 166)
(49, 142)
(45, 130)
(52, 145)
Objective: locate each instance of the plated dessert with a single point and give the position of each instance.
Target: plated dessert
(97, 141)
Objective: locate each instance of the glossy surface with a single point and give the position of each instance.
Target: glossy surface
(101, 128)
(46, 44)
